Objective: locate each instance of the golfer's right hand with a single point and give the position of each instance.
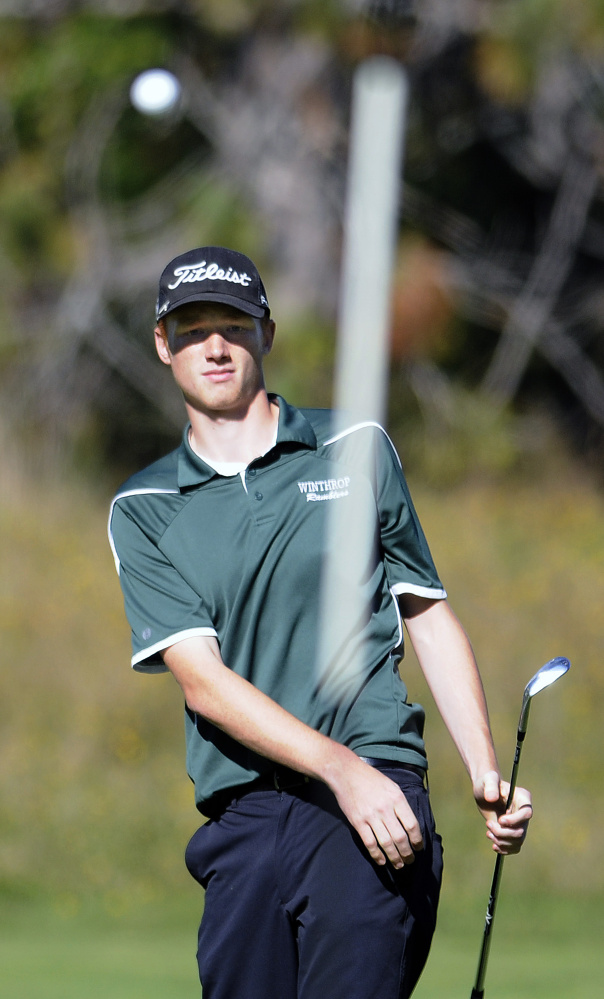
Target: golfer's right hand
(506, 829)
(379, 811)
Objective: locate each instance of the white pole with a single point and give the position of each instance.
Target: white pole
(370, 230)
(360, 389)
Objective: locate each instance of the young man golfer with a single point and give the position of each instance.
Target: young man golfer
(320, 859)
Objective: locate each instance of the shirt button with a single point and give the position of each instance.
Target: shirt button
(258, 496)
(251, 471)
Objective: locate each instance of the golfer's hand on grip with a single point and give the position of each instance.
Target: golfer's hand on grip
(379, 811)
(505, 829)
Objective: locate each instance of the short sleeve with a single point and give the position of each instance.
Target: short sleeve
(162, 609)
(407, 557)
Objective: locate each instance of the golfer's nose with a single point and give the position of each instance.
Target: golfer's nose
(216, 346)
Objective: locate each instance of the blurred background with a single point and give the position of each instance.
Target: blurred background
(496, 405)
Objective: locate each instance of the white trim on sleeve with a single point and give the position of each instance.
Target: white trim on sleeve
(399, 619)
(362, 426)
(431, 592)
(165, 643)
(130, 492)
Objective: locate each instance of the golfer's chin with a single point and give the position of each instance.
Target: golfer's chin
(221, 398)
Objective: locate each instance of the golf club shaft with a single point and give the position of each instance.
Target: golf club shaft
(478, 990)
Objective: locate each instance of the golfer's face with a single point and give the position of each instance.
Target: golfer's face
(216, 354)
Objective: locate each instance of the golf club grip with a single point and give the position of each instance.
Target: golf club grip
(514, 774)
(477, 994)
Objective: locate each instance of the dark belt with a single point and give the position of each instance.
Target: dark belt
(285, 779)
(278, 779)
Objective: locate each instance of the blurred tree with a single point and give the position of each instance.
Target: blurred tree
(505, 173)
(499, 293)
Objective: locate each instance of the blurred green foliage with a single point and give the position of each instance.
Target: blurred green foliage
(524, 568)
(48, 75)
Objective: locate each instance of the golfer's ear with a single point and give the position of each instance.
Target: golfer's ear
(161, 343)
(268, 330)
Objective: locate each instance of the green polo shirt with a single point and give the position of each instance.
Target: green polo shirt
(240, 558)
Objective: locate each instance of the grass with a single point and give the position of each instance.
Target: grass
(544, 947)
(48, 953)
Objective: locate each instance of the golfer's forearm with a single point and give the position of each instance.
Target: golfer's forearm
(250, 717)
(447, 661)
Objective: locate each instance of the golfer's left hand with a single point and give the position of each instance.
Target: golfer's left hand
(506, 830)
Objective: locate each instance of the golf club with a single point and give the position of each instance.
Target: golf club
(547, 675)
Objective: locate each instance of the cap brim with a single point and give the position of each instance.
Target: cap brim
(237, 303)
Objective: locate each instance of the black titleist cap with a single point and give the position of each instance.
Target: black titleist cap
(212, 274)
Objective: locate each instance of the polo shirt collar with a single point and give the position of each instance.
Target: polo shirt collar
(293, 427)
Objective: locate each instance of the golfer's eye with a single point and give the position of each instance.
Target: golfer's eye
(235, 330)
(228, 332)
(182, 334)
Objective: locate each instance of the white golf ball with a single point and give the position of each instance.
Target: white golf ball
(155, 92)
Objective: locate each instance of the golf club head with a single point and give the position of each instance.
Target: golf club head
(547, 675)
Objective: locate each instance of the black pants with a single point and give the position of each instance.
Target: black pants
(296, 909)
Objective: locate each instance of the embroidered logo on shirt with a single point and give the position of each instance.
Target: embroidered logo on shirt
(324, 489)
